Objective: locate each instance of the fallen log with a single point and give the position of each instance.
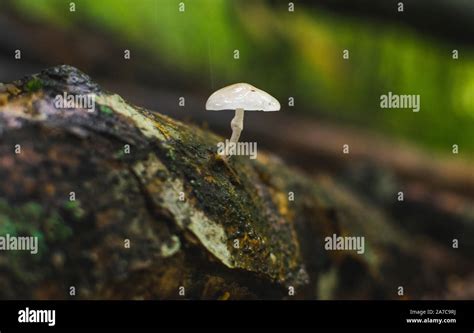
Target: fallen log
(128, 203)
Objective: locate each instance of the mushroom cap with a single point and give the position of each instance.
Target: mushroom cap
(242, 96)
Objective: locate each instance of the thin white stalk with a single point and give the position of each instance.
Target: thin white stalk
(237, 125)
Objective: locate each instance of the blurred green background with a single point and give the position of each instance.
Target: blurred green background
(291, 54)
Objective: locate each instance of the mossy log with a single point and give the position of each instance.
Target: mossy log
(131, 204)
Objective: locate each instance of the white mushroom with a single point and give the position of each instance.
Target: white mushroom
(241, 97)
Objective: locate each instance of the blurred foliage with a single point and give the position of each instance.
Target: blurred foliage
(297, 54)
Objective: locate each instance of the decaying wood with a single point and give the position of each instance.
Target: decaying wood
(220, 230)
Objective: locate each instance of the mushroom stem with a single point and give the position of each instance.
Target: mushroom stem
(237, 125)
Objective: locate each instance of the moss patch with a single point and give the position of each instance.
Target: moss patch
(33, 85)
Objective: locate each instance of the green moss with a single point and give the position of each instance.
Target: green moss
(6, 225)
(106, 110)
(33, 210)
(119, 154)
(31, 218)
(33, 85)
(56, 229)
(74, 207)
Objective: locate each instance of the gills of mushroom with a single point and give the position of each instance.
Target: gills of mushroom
(241, 97)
